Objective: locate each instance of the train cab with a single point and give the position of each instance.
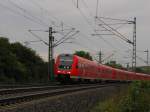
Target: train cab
(64, 65)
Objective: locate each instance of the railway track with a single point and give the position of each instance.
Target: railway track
(3, 86)
(35, 94)
(4, 92)
(12, 91)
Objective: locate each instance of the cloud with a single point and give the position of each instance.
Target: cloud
(16, 26)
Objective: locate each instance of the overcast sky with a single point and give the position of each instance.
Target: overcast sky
(18, 16)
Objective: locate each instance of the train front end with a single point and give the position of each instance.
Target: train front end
(65, 67)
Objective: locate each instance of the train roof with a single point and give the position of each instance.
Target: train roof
(84, 59)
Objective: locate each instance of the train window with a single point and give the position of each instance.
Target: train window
(76, 66)
(66, 60)
(109, 71)
(82, 65)
(64, 67)
(99, 70)
(79, 65)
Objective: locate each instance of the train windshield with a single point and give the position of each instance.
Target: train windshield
(66, 61)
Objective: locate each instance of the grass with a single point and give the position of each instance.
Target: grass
(135, 99)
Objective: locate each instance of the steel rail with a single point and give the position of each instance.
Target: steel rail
(44, 94)
(31, 89)
(3, 86)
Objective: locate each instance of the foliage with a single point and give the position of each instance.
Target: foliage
(143, 69)
(20, 64)
(84, 54)
(137, 99)
(114, 64)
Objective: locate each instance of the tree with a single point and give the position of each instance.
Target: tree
(31, 60)
(20, 64)
(11, 69)
(143, 69)
(114, 64)
(84, 54)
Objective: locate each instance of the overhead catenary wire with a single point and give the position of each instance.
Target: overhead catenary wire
(83, 15)
(116, 19)
(30, 16)
(85, 36)
(114, 31)
(28, 13)
(90, 13)
(65, 26)
(35, 3)
(19, 13)
(35, 18)
(111, 46)
(116, 28)
(141, 59)
(38, 37)
(97, 4)
(28, 42)
(120, 26)
(41, 23)
(106, 29)
(56, 44)
(107, 42)
(90, 25)
(110, 30)
(50, 15)
(123, 21)
(84, 46)
(109, 56)
(115, 23)
(64, 36)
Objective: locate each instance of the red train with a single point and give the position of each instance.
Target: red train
(70, 66)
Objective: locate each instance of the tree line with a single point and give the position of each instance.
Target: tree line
(20, 64)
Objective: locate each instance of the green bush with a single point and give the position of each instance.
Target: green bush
(19, 64)
(136, 99)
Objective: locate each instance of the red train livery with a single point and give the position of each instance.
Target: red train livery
(70, 66)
